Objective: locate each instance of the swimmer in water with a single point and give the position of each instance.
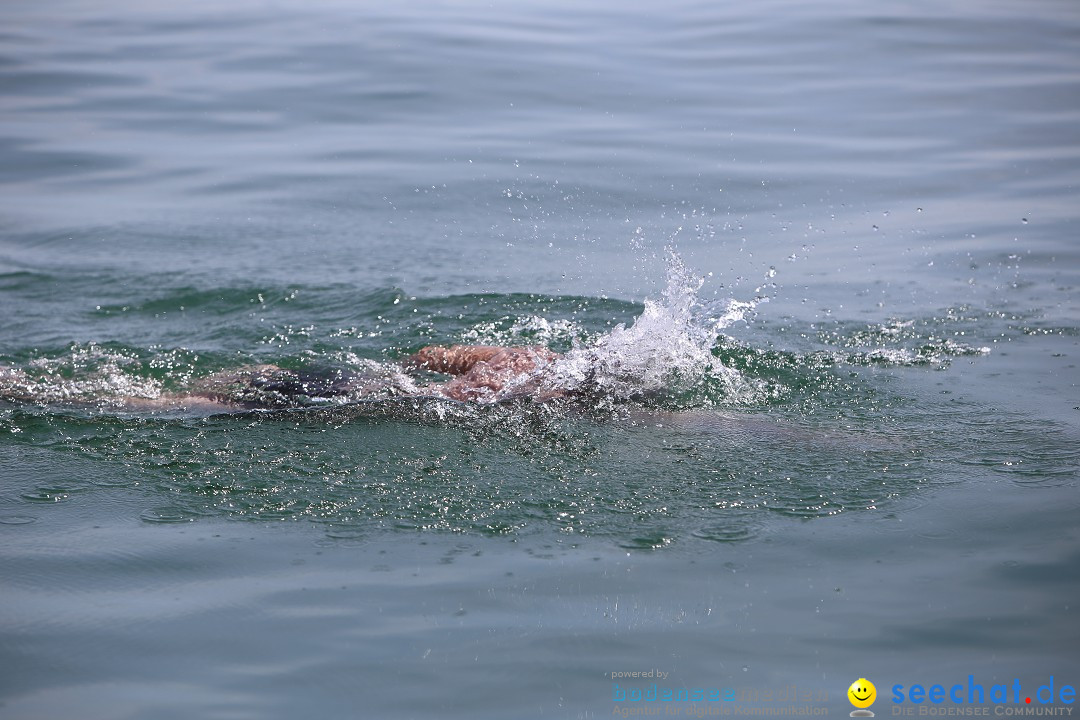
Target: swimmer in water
(486, 372)
(478, 374)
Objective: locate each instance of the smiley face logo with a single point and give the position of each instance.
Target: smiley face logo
(862, 693)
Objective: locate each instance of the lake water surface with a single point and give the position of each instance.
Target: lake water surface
(824, 256)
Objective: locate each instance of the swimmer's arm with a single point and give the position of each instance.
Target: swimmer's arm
(453, 360)
(461, 359)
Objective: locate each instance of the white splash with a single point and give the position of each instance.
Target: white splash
(667, 348)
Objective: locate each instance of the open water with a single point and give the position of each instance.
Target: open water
(822, 257)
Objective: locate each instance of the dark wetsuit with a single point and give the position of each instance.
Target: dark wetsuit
(272, 387)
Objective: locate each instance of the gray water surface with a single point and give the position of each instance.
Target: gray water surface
(880, 483)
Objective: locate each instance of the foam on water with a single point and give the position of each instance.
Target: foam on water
(87, 374)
